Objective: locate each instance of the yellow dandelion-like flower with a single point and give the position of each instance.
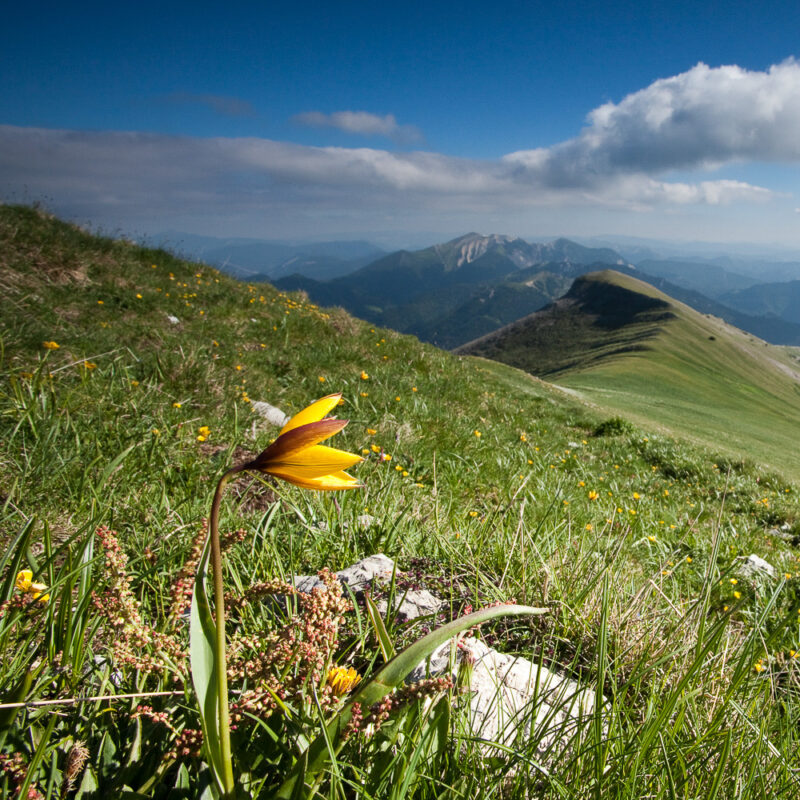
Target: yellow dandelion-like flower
(473, 513)
(523, 437)
(343, 680)
(90, 365)
(24, 583)
(51, 345)
(321, 379)
(588, 526)
(688, 559)
(371, 431)
(593, 495)
(737, 595)
(364, 376)
(177, 405)
(385, 457)
(477, 434)
(375, 448)
(734, 581)
(414, 389)
(651, 538)
(636, 496)
(297, 457)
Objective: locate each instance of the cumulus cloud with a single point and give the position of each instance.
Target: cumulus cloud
(623, 158)
(361, 122)
(702, 118)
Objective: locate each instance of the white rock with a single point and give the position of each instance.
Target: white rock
(172, 319)
(754, 565)
(356, 577)
(502, 690)
(270, 413)
(412, 604)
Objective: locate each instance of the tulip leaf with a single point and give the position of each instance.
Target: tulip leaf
(202, 641)
(389, 677)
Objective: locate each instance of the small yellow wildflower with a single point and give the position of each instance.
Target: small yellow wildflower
(651, 538)
(51, 345)
(364, 376)
(588, 526)
(371, 431)
(177, 405)
(477, 434)
(100, 302)
(414, 389)
(473, 513)
(89, 365)
(734, 581)
(523, 437)
(343, 680)
(737, 595)
(365, 394)
(636, 496)
(688, 559)
(138, 297)
(24, 583)
(593, 495)
(375, 448)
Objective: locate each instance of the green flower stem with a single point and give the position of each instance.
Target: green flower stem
(224, 721)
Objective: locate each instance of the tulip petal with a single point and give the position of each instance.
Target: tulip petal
(296, 440)
(334, 482)
(313, 413)
(313, 462)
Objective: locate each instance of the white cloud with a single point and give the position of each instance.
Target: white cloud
(700, 119)
(361, 122)
(621, 160)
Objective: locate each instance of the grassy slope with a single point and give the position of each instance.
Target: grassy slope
(689, 373)
(104, 430)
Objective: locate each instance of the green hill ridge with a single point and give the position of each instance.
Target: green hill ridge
(627, 347)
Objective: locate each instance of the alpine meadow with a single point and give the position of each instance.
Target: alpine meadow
(173, 446)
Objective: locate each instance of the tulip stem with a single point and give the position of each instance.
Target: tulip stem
(223, 716)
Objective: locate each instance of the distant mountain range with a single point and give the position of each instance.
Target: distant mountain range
(451, 293)
(259, 259)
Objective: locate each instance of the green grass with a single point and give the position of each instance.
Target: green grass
(701, 684)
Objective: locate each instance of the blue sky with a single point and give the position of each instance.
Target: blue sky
(667, 119)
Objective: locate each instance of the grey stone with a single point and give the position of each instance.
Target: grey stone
(357, 577)
(412, 605)
(269, 413)
(502, 692)
(753, 566)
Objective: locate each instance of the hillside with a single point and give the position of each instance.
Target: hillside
(628, 347)
(129, 383)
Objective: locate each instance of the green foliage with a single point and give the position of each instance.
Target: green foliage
(633, 542)
(614, 426)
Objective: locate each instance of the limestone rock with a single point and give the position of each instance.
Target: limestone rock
(754, 566)
(269, 413)
(501, 691)
(412, 604)
(357, 577)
